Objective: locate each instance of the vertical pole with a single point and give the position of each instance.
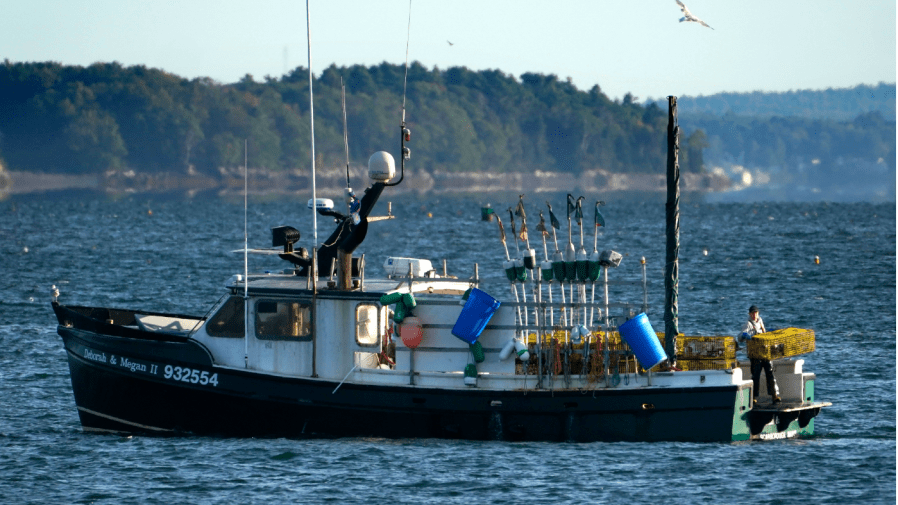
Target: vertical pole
(671, 271)
(314, 201)
(606, 361)
(344, 270)
(312, 125)
(314, 311)
(245, 260)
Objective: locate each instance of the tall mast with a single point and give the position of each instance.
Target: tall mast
(672, 265)
(312, 119)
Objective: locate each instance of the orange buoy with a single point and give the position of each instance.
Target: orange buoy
(411, 331)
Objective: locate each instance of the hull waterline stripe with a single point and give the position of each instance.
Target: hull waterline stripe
(111, 418)
(103, 430)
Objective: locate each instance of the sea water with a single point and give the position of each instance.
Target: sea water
(175, 254)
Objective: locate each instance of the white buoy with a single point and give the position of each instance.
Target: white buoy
(506, 350)
(584, 332)
(530, 259)
(521, 350)
(575, 335)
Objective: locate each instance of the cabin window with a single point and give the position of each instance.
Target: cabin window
(367, 328)
(228, 322)
(283, 320)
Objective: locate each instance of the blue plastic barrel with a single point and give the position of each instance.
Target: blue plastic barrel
(474, 316)
(640, 336)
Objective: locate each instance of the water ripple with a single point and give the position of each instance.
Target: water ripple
(114, 253)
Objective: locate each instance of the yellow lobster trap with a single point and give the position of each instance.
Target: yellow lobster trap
(720, 348)
(781, 344)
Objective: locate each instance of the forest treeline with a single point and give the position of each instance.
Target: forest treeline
(842, 104)
(80, 120)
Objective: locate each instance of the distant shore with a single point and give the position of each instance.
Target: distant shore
(263, 182)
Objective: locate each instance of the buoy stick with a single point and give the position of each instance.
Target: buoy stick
(570, 255)
(580, 218)
(514, 233)
(570, 242)
(555, 225)
(518, 249)
(502, 237)
(541, 227)
(514, 288)
(520, 212)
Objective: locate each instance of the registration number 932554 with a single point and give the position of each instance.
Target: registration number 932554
(190, 375)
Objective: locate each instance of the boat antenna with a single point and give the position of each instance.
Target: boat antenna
(245, 206)
(245, 259)
(350, 196)
(407, 38)
(406, 135)
(345, 130)
(312, 120)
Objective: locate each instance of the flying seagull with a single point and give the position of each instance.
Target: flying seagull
(687, 16)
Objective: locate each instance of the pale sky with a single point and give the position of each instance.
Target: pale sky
(635, 46)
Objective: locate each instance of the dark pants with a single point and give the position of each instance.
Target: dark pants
(756, 366)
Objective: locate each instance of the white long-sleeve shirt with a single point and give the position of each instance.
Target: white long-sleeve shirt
(754, 327)
(751, 329)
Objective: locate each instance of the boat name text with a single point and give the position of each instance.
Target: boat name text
(778, 436)
(94, 356)
(133, 365)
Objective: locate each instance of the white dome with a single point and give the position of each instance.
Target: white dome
(381, 166)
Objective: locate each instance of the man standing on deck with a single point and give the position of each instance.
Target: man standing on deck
(754, 326)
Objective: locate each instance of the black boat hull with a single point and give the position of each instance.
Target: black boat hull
(128, 385)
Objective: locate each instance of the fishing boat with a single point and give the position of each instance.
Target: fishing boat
(328, 348)
(418, 353)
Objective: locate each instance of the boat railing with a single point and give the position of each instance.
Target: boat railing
(568, 339)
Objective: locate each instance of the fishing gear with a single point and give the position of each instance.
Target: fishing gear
(529, 257)
(520, 271)
(518, 261)
(558, 257)
(595, 265)
(546, 265)
(509, 266)
(582, 257)
(557, 261)
(529, 254)
(595, 268)
(570, 255)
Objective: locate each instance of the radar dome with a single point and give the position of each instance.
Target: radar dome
(381, 166)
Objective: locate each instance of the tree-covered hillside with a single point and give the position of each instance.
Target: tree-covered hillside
(56, 118)
(106, 117)
(785, 143)
(841, 104)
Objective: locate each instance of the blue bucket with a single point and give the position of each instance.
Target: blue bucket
(474, 316)
(640, 336)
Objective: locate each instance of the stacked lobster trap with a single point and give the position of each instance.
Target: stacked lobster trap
(783, 343)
